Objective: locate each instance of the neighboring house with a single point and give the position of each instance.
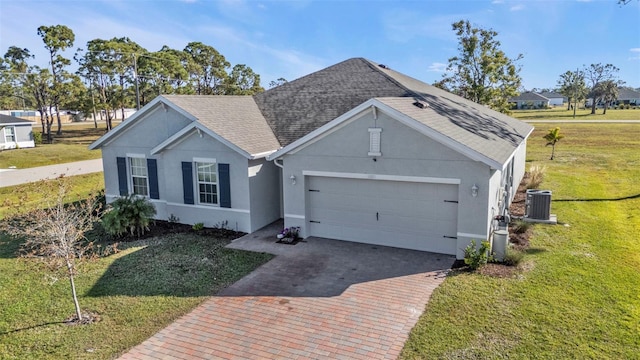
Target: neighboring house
(555, 99)
(15, 133)
(354, 152)
(628, 96)
(529, 100)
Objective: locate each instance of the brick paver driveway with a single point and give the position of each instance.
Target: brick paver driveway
(319, 299)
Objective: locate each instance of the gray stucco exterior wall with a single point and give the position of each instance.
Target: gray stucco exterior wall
(249, 182)
(405, 152)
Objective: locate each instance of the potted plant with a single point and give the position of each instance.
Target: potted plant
(289, 235)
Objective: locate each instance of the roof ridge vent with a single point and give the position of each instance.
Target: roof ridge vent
(420, 104)
(383, 66)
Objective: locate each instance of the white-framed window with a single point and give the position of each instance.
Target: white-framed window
(139, 176)
(10, 134)
(207, 182)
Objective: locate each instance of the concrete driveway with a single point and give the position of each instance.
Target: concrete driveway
(318, 299)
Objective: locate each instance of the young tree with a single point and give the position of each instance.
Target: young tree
(481, 72)
(552, 138)
(596, 73)
(55, 235)
(56, 39)
(571, 84)
(607, 91)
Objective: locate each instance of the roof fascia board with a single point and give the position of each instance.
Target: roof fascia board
(142, 113)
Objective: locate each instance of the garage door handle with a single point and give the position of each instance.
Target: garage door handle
(449, 237)
(377, 218)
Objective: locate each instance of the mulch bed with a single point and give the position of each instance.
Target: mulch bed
(519, 242)
(158, 228)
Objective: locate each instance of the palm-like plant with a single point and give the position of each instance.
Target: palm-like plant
(552, 138)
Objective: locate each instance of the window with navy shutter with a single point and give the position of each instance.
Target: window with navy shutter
(123, 185)
(152, 168)
(225, 185)
(187, 182)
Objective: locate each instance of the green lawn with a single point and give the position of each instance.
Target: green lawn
(21, 198)
(578, 295)
(561, 113)
(136, 292)
(71, 146)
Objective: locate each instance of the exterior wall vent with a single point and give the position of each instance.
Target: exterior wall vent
(383, 66)
(538, 204)
(374, 142)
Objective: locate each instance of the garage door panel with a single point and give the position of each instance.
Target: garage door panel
(385, 238)
(421, 216)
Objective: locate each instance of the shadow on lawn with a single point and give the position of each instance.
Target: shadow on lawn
(32, 327)
(637, 196)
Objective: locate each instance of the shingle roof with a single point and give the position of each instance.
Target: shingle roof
(6, 119)
(492, 137)
(529, 96)
(551, 94)
(628, 94)
(235, 118)
(303, 105)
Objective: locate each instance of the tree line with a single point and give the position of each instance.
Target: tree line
(113, 75)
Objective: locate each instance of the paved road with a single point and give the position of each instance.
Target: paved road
(23, 176)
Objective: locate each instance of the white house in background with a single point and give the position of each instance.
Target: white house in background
(15, 133)
(529, 100)
(355, 152)
(555, 99)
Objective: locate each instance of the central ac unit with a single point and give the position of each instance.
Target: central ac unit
(538, 204)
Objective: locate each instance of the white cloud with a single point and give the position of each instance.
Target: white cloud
(634, 49)
(516, 7)
(497, 2)
(404, 26)
(438, 67)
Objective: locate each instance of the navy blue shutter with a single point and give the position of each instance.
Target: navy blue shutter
(152, 169)
(123, 185)
(225, 185)
(187, 182)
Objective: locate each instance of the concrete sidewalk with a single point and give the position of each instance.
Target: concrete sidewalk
(22, 176)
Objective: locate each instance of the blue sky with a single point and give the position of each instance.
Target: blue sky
(293, 38)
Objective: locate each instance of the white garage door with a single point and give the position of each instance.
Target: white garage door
(419, 216)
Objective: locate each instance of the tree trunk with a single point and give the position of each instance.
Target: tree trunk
(59, 131)
(569, 104)
(73, 291)
(593, 105)
(553, 151)
(604, 112)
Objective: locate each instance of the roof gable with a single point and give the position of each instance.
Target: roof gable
(490, 149)
(298, 108)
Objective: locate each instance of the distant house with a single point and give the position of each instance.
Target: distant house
(625, 96)
(529, 100)
(15, 133)
(555, 99)
(628, 96)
